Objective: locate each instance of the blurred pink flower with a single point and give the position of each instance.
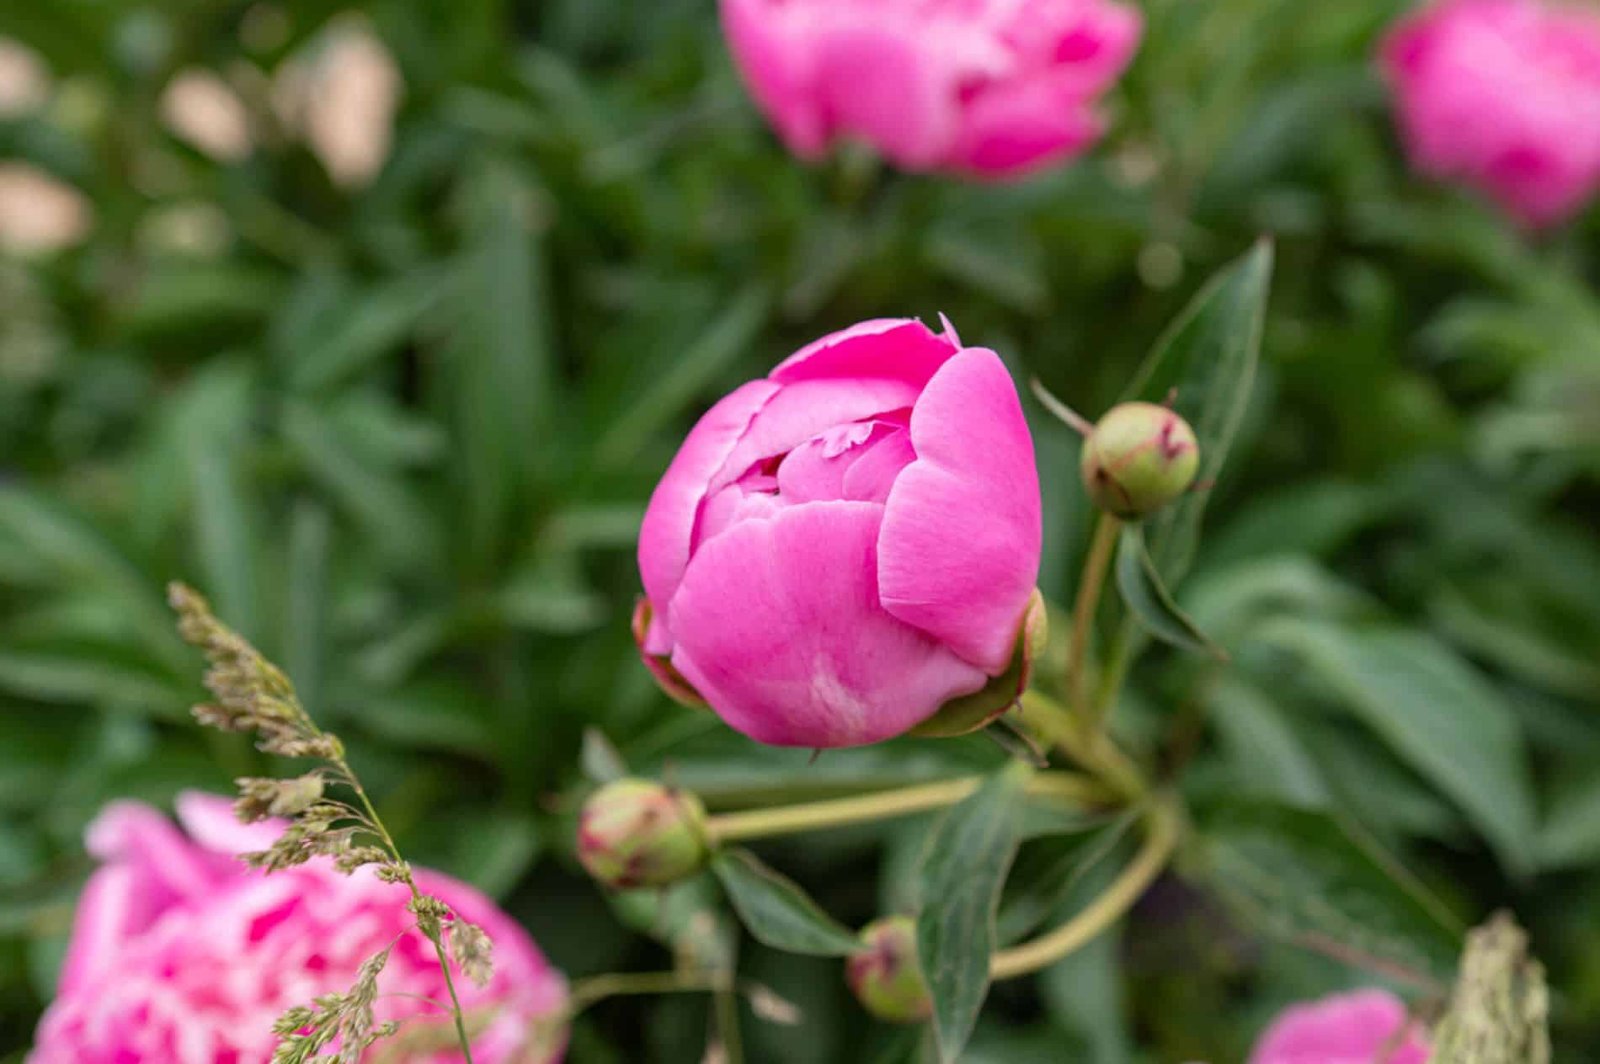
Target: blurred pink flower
(840, 548)
(1362, 1027)
(1503, 95)
(181, 955)
(993, 88)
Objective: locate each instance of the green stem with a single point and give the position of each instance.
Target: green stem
(865, 808)
(1094, 750)
(591, 991)
(1095, 566)
(434, 936)
(1161, 840)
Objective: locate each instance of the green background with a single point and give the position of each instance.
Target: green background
(402, 437)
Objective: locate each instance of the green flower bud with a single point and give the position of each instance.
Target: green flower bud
(885, 976)
(1139, 457)
(638, 833)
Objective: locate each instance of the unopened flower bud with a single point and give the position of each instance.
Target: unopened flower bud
(639, 833)
(885, 976)
(1139, 457)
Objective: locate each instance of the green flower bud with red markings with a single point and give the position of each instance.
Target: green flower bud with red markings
(638, 833)
(885, 975)
(1139, 458)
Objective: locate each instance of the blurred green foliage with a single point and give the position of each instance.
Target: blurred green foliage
(402, 436)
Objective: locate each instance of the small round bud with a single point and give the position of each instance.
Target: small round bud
(1139, 457)
(638, 833)
(885, 976)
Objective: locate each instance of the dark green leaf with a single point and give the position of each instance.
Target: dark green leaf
(968, 857)
(1303, 877)
(1150, 603)
(777, 912)
(1208, 357)
(1437, 713)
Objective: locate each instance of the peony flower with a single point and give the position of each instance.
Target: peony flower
(181, 955)
(844, 546)
(1504, 96)
(994, 88)
(1363, 1027)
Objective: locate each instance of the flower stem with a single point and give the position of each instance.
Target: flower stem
(865, 808)
(433, 933)
(1095, 565)
(1160, 841)
(1095, 751)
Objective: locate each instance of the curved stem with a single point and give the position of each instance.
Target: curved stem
(1107, 909)
(1095, 565)
(1095, 751)
(865, 808)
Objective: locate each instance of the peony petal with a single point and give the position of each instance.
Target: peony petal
(1013, 127)
(779, 627)
(871, 476)
(805, 409)
(898, 348)
(1344, 1027)
(773, 53)
(113, 908)
(959, 552)
(669, 520)
(140, 837)
(209, 821)
(881, 81)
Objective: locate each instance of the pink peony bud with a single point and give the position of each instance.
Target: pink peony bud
(181, 955)
(844, 546)
(994, 88)
(638, 833)
(1504, 96)
(1139, 458)
(1364, 1027)
(885, 976)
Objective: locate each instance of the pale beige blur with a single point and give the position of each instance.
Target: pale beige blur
(38, 213)
(342, 96)
(200, 108)
(24, 80)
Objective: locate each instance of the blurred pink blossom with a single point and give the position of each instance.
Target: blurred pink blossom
(1362, 1027)
(1503, 95)
(181, 955)
(992, 88)
(24, 79)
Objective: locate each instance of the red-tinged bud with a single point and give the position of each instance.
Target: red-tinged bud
(885, 975)
(639, 833)
(1139, 458)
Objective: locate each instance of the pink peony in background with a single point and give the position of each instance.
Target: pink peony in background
(1362, 1027)
(841, 547)
(994, 88)
(1503, 95)
(181, 955)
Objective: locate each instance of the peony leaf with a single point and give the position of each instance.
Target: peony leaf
(1149, 601)
(1307, 879)
(965, 865)
(1208, 358)
(777, 911)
